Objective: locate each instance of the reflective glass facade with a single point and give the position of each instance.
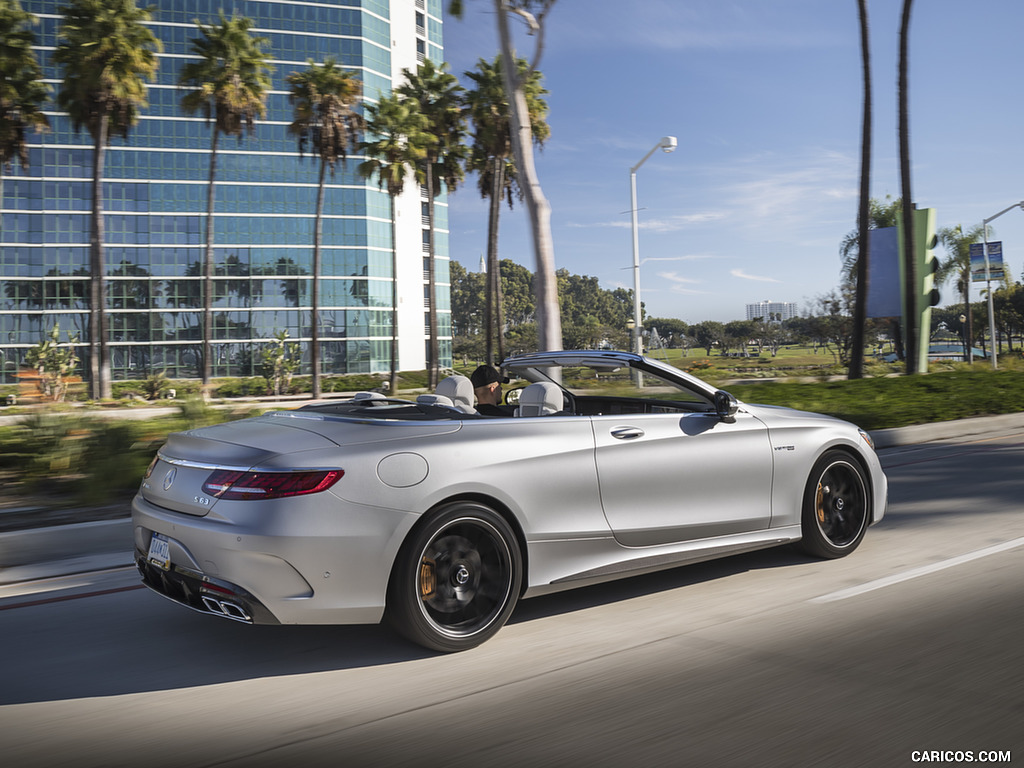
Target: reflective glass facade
(155, 211)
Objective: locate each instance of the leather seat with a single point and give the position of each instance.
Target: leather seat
(541, 398)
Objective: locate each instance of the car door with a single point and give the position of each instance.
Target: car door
(668, 478)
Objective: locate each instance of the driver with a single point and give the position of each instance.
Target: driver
(487, 388)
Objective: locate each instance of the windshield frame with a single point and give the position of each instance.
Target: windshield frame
(670, 381)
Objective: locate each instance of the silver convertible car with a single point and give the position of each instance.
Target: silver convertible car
(603, 465)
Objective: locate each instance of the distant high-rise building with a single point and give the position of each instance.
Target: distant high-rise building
(155, 211)
(776, 311)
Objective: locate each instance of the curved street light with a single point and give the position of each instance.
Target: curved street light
(667, 144)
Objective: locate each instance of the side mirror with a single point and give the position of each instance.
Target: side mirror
(726, 406)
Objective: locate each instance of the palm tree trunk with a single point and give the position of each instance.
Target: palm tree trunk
(863, 245)
(910, 315)
(434, 348)
(207, 353)
(393, 381)
(99, 359)
(549, 323)
(965, 279)
(314, 352)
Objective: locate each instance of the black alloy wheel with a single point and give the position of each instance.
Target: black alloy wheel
(457, 578)
(836, 507)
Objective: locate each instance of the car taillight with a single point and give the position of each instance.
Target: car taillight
(246, 486)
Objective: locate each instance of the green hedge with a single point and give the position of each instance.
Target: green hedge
(899, 401)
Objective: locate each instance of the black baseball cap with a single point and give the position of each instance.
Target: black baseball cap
(487, 374)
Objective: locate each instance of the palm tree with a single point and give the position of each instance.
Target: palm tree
(22, 91)
(493, 159)
(229, 86)
(911, 316)
(106, 53)
(439, 97)
(957, 245)
(324, 121)
(399, 131)
(864, 209)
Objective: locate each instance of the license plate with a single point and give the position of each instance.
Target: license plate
(160, 551)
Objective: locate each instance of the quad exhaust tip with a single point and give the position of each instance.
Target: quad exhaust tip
(227, 609)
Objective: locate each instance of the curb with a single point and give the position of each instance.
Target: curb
(922, 433)
(63, 550)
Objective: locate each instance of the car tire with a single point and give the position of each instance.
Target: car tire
(836, 507)
(457, 578)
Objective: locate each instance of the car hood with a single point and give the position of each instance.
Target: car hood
(780, 416)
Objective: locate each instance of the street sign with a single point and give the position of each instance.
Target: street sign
(995, 262)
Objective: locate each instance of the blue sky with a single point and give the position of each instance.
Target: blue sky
(764, 97)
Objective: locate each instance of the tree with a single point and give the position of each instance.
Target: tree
(533, 13)
(911, 316)
(492, 158)
(106, 53)
(439, 97)
(326, 122)
(739, 333)
(22, 91)
(467, 322)
(957, 266)
(707, 334)
(863, 211)
(672, 330)
(832, 323)
(229, 88)
(54, 363)
(279, 360)
(398, 145)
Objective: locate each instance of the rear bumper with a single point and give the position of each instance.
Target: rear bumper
(203, 594)
(315, 560)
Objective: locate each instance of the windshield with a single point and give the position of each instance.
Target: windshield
(598, 380)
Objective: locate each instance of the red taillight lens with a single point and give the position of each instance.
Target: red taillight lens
(246, 486)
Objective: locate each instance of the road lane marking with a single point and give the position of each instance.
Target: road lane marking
(914, 573)
(64, 598)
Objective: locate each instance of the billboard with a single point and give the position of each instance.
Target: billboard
(884, 296)
(995, 262)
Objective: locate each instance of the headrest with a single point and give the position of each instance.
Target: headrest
(540, 399)
(459, 390)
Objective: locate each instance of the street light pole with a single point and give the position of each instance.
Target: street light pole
(988, 277)
(667, 144)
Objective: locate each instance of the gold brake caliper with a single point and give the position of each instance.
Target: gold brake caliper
(428, 581)
(819, 502)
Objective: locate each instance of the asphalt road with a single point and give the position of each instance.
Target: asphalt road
(914, 644)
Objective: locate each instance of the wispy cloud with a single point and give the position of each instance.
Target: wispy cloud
(680, 284)
(687, 257)
(667, 224)
(757, 278)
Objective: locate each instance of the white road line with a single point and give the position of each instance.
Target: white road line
(888, 581)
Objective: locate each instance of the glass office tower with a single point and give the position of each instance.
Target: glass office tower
(155, 211)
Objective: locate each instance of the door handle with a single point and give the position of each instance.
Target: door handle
(627, 433)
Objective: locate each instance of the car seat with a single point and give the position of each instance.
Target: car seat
(459, 390)
(541, 398)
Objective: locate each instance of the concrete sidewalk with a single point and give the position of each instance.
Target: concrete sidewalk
(63, 550)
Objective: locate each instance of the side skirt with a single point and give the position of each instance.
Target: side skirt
(623, 563)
